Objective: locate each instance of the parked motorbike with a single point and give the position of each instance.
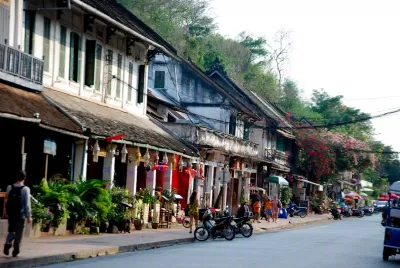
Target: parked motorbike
(367, 211)
(222, 228)
(359, 212)
(336, 213)
(346, 211)
(317, 210)
(243, 227)
(294, 210)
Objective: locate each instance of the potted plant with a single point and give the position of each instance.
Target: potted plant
(147, 201)
(41, 216)
(138, 221)
(154, 223)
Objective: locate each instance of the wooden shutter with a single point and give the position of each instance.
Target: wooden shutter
(79, 58)
(99, 51)
(159, 81)
(90, 62)
(110, 69)
(71, 55)
(130, 79)
(29, 31)
(46, 44)
(119, 76)
(63, 43)
(141, 81)
(5, 22)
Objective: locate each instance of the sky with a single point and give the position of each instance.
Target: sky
(349, 48)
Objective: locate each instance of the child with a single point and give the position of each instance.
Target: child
(268, 208)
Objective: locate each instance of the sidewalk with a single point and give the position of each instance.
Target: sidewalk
(47, 250)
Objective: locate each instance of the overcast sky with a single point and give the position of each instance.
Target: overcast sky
(349, 48)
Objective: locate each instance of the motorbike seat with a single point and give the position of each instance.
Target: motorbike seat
(218, 220)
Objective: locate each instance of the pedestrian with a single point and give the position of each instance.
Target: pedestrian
(18, 210)
(276, 206)
(268, 209)
(256, 201)
(193, 210)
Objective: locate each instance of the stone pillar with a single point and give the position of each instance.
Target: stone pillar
(151, 181)
(209, 184)
(80, 163)
(168, 178)
(131, 176)
(246, 185)
(109, 165)
(217, 188)
(240, 187)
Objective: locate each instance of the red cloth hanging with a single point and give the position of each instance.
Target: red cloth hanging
(114, 138)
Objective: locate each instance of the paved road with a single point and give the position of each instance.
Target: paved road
(349, 243)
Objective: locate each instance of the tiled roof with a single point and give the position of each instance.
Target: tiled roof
(118, 12)
(22, 103)
(106, 121)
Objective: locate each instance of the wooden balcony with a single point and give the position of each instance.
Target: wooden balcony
(20, 68)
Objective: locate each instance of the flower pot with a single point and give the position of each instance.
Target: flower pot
(138, 224)
(78, 227)
(36, 230)
(154, 225)
(94, 230)
(61, 229)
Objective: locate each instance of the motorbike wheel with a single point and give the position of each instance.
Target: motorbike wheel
(186, 223)
(229, 232)
(201, 234)
(341, 217)
(246, 230)
(303, 214)
(347, 214)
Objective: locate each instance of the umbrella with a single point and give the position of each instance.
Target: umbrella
(353, 195)
(178, 197)
(363, 194)
(255, 189)
(278, 180)
(366, 190)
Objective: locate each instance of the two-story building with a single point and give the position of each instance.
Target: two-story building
(209, 116)
(78, 70)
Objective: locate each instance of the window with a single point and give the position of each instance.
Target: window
(99, 51)
(130, 81)
(280, 144)
(110, 66)
(141, 81)
(5, 21)
(75, 58)
(232, 125)
(159, 80)
(246, 132)
(63, 44)
(90, 61)
(119, 76)
(29, 31)
(46, 44)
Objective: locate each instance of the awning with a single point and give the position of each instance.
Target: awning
(286, 134)
(18, 104)
(278, 180)
(252, 188)
(107, 121)
(320, 187)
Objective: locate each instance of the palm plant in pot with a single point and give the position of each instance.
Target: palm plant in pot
(138, 221)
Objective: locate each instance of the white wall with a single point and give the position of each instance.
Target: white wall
(73, 21)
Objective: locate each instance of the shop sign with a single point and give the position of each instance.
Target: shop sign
(50, 147)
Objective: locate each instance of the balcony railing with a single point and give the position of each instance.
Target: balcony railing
(20, 64)
(278, 156)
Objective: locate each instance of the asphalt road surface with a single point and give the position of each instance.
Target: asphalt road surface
(349, 243)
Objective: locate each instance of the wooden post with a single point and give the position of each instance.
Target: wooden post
(23, 154)
(46, 166)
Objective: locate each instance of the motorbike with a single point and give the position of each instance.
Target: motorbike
(346, 212)
(294, 210)
(358, 212)
(336, 213)
(367, 211)
(317, 210)
(222, 228)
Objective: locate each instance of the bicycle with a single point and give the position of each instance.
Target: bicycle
(181, 218)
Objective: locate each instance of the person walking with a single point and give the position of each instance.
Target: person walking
(276, 206)
(193, 211)
(256, 201)
(268, 209)
(18, 211)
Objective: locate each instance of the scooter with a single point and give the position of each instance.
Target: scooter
(358, 212)
(367, 211)
(336, 213)
(294, 210)
(347, 212)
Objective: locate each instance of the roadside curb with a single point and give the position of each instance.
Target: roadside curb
(65, 257)
(86, 254)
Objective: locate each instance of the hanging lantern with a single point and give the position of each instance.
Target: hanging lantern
(165, 159)
(174, 163)
(146, 158)
(157, 159)
(138, 157)
(96, 150)
(124, 153)
(180, 164)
